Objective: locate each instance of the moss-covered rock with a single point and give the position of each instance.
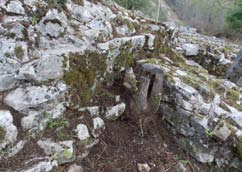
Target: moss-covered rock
(19, 52)
(84, 71)
(125, 58)
(2, 134)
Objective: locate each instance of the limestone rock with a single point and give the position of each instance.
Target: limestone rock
(53, 24)
(191, 49)
(41, 166)
(93, 111)
(39, 119)
(63, 151)
(198, 151)
(8, 130)
(16, 149)
(7, 81)
(113, 113)
(98, 126)
(22, 99)
(75, 168)
(222, 131)
(143, 167)
(15, 6)
(82, 132)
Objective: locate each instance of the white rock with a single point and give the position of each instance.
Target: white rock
(63, 151)
(6, 124)
(18, 30)
(222, 131)
(143, 167)
(151, 40)
(113, 113)
(98, 126)
(17, 148)
(75, 168)
(235, 115)
(15, 6)
(98, 123)
(7, 82)
(39, 119)
(49, 67)
(82, 132)
(93, 111)
(45, 166)
(53, 29)
(223, 60)
(23, 98)
(190, 49)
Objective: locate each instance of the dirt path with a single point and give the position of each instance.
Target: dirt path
(122, 147)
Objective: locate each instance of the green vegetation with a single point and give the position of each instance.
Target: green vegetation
(59, 122)
(2, 134)
(68, 154)
(34, 20)
(126, 57)
(177, 158)
(208, 132)
(239, 148)
(234, 17)
(134, 4)
(58, 169)
(82, 75)
(79, 2)
(146, 6)
(19, 52)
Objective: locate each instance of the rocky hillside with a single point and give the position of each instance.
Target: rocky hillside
(89, 86)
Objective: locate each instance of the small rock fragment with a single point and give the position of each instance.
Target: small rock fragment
(82, 132)
(143, 167)
(115, 112)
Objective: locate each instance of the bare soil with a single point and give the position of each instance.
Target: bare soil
(122, 147)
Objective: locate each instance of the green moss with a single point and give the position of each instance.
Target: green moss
(153, 61)
(130, 25)
(239, 148)
(125, 58)
(232, 97)
(79, 2)
(19, 52)
(169, 77)
(216, 86)
(137, 26)
(190, 81)
(58, 169)
(68, 154)
(40, 12)
(56, 123)
(198, 115)
(161, 47)
(2, 134)
(87, 142)
(81, 76)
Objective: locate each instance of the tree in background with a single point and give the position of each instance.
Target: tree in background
(134, 4)
(234, 17)
(148, 7)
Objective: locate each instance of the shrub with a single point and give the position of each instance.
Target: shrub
(133, 4)
(234, 17)
(146, 6)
